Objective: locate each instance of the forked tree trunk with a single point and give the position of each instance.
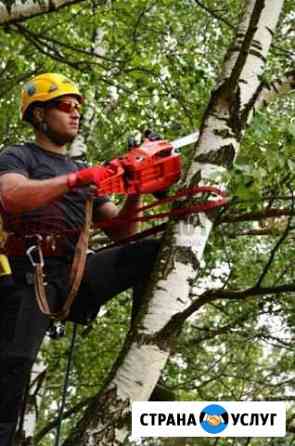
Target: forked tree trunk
(148, 345)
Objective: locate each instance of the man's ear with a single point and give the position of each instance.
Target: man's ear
(38, 115)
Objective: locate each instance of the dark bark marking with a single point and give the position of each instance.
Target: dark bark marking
(223, 157)
(253, 52)
(270, 31)
(186, 256)
(256, 44)
(51, 6)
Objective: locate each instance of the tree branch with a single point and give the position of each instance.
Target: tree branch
(213, 14)
(210, 333)
(52, 424)
(45, 39)
(254, 216)
(266, 92)
(13, 12)
(212, 295)
(255, 233)
(273, 253)
(9, 83)
(55, 54)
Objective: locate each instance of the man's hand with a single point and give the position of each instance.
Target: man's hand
(151, 136)
(91, 175)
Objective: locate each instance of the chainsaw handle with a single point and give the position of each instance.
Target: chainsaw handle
(115, 184)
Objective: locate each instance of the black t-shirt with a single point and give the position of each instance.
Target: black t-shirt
(63, 216)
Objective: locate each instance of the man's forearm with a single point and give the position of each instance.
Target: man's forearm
(129, 209)
(18, 194)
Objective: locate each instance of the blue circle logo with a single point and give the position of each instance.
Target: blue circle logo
(214, 419)
(30, 88)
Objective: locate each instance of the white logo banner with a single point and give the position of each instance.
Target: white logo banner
(208, 419)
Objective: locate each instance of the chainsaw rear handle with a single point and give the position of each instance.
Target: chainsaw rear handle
(116, 184)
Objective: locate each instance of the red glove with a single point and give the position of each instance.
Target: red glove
(91, 175)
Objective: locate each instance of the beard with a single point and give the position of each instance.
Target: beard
(56, 137)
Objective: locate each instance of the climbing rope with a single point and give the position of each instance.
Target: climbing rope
(65, 386)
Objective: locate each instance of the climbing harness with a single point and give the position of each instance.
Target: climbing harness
(76, 273)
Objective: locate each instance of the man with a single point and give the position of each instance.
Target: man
(43, 194)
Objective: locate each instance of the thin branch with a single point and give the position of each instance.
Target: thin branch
(138, 26)
(54, 54)
(254, 216)
(40, 47)
(75, 409)
(255, 233)
(276, 341)
(9, 84)
(45, 39)
(266, 92)
(212, 333)
(212, 295)
(274, 251)
(213, 14)
(285, 51)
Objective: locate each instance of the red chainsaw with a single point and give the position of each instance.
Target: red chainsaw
(153, 167)
(147, 168)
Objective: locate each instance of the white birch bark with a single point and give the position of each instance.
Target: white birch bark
(78, 147)
(259, 46)
(168, 294)
(33, 400)
(12, 11)
(254, 66)
(30, 418)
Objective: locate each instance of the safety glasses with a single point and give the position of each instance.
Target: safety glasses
(66, 107)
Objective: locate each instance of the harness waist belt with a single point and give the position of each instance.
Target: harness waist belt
(16, 246)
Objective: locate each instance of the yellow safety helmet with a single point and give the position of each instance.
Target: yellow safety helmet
(46, 87)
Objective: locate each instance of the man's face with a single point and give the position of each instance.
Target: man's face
(63, 117)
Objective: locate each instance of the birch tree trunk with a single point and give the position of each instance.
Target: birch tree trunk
(167, 295)
(78, 149)
(17, 10)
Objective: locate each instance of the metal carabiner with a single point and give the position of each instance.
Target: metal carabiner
(40, 253)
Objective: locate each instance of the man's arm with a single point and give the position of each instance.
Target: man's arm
(20, 194)
(110, 210)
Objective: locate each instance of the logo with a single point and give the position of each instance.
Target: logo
(214, 419)
(30, 88)
(208, 419)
